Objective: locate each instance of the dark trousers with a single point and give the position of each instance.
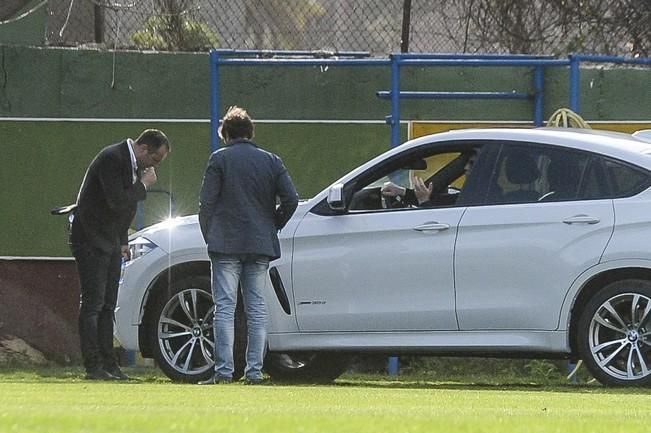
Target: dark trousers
(99, 275)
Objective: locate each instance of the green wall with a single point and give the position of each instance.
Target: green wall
(44, 161)
(55, 82)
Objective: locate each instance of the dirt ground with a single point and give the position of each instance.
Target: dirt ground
(39, 302)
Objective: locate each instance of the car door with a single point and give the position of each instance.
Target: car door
(371, 270)
(375, 271)
(518, 254)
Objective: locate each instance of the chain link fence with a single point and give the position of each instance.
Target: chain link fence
(459, 26)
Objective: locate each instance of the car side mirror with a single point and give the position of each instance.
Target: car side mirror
(336, 197)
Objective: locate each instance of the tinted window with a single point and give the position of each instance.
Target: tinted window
(624, 179)
(595, 184)
(527, 174)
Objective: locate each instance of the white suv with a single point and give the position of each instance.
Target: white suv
(542, 248)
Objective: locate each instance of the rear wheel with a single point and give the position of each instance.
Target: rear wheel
(615, 334)
(183, 333)
(306, 367)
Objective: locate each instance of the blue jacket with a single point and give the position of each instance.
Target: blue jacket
(237, 204)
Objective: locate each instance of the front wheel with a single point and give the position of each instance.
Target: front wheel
(183, 333)
(615, 334)
(309, 367)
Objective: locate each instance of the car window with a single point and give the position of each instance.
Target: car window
(595, 184)
(624, 179)
(443, 171)
(528, 174)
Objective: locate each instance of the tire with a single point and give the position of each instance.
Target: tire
(312, 367)
(182, 332)
(615, 334)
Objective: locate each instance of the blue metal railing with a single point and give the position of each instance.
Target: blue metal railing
(575, 71)
(399, 60)
(466, 60)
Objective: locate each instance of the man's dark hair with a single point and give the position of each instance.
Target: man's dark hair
(154, 139)
(236, 124)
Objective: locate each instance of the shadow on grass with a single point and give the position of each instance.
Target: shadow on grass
(149, 375)
(57, 374)
(481, 384)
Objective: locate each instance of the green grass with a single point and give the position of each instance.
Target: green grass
(53, 401)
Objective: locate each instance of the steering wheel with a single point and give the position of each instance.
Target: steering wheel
(546, 196)
(391, 202)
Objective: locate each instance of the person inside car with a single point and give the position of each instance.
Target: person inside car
(434, 192)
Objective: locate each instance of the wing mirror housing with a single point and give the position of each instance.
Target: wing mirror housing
(336, 197)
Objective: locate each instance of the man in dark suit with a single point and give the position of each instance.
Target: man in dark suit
(116, 180)
(239, 221)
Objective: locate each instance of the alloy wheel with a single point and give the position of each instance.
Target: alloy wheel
(619, 336)
(185, 332)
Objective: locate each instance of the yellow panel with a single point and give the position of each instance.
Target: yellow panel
(419, 129)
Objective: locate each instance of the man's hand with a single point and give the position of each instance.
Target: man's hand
(422, 191)
(148, 177)
(126, 254)
(390, 189)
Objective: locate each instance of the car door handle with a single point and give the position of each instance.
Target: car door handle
(431, 227)
(582, 219)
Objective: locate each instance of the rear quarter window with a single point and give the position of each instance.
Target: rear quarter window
(625, 180)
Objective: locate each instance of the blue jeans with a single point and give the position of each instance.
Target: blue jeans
(229, 271)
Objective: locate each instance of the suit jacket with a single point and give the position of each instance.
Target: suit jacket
(237, 209)
(107, 200)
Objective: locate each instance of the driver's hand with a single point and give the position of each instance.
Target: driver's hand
(126, 253)
(422, 191)
(390, 189)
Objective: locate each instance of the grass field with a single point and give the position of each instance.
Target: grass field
(59, 401)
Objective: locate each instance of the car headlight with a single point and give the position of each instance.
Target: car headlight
(140, 246)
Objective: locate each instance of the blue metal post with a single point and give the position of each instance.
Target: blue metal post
(395, 100)
(214, 100)
(139, 222)
(575, 81)
(393, 366)
(571, 365)
(538, 84)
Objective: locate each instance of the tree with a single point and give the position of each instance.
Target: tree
(172, 30)
(552, 26)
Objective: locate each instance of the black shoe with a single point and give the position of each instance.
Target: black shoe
(98, 374)
(248, 381)
(117, 373)
(216, 379)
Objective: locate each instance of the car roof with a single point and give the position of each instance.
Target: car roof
(615, 144)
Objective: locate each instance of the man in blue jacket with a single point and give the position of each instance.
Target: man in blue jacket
(239, 221)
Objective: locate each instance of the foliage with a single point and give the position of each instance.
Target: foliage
(603, 26)
(528, 370)
(474, 370)
(169, 34)
(172, 30)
